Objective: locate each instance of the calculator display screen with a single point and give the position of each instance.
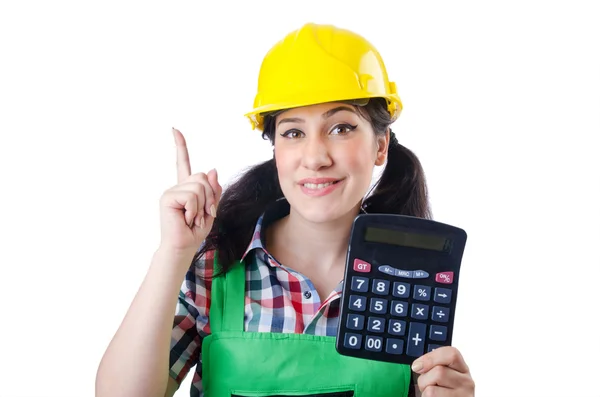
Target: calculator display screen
(407, 239)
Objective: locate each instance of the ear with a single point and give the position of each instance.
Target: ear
(383, 142)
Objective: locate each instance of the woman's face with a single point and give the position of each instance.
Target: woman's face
(325, 156)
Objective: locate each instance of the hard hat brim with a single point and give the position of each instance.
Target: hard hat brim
(256, 115)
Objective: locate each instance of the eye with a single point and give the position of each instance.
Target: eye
(292, 134)
(341, 129)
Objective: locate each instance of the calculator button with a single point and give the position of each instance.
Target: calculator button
(442, 295)
(361, 266)
(373, 343)
(419, 311)
(360, 284)
(431, 348)
(422, 292)
(358, 303)
(416, 339)
(420, 274)
(378, 306)
(440, 314)
(399, 309)
(445, 277)
(397, 327)
(352, 341)
(394, 346)
(387, 270)
(376, 324)
(401, 290)
(438, 332)
(381, 287)
(355, 321)
(405, 273)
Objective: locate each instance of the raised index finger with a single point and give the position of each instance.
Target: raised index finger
(183, 159)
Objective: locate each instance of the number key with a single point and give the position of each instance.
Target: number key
(355, 321)
(397, 327)
(401, 290)
(373, 343)
(378, 306)
(399, 308)
(352, 341)
(358, 303)
(360, 284)
(376, 324)
(381, 287)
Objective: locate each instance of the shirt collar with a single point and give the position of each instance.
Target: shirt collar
(274, 212)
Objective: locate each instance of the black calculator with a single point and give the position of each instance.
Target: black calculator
(400, 287)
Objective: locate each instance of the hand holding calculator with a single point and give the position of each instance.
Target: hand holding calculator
(400, 289)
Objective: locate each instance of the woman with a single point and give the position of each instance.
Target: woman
(259, 306)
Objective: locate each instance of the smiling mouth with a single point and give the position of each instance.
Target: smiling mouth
(318, 185)
(323, 188)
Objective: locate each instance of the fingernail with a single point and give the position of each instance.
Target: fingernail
(213, 211)
(197, 221)
(202, 223)
(417, 366)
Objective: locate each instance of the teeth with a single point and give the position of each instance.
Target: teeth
(317, 186)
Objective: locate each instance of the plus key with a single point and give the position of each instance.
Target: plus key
(416, 344)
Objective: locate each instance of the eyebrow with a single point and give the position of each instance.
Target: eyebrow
(325, 115)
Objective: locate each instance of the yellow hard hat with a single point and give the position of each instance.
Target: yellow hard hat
(317, 64)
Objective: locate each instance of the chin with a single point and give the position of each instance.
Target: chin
(321, 212)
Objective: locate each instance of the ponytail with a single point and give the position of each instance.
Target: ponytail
(402, 188)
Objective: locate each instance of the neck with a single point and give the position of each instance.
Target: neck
(323, 246)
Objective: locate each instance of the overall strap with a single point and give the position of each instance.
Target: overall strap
(227, 298)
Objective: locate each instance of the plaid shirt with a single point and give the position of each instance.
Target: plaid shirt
(278, 299)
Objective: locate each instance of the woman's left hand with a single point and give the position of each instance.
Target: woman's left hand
(444, 373)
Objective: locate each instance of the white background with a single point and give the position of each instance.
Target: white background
(502, 106)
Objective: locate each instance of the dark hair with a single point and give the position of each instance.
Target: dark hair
(401, 189)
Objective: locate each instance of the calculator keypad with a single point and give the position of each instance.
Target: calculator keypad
(395, 312)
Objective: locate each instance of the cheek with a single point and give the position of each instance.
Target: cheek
(284, 161)
(359, 158)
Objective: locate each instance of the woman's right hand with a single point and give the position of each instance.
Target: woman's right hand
(188, 209)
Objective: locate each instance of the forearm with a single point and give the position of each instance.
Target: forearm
(136, 362)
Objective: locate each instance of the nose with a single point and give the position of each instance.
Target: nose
(315, 153)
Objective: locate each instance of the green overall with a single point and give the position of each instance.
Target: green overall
(239, 363)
